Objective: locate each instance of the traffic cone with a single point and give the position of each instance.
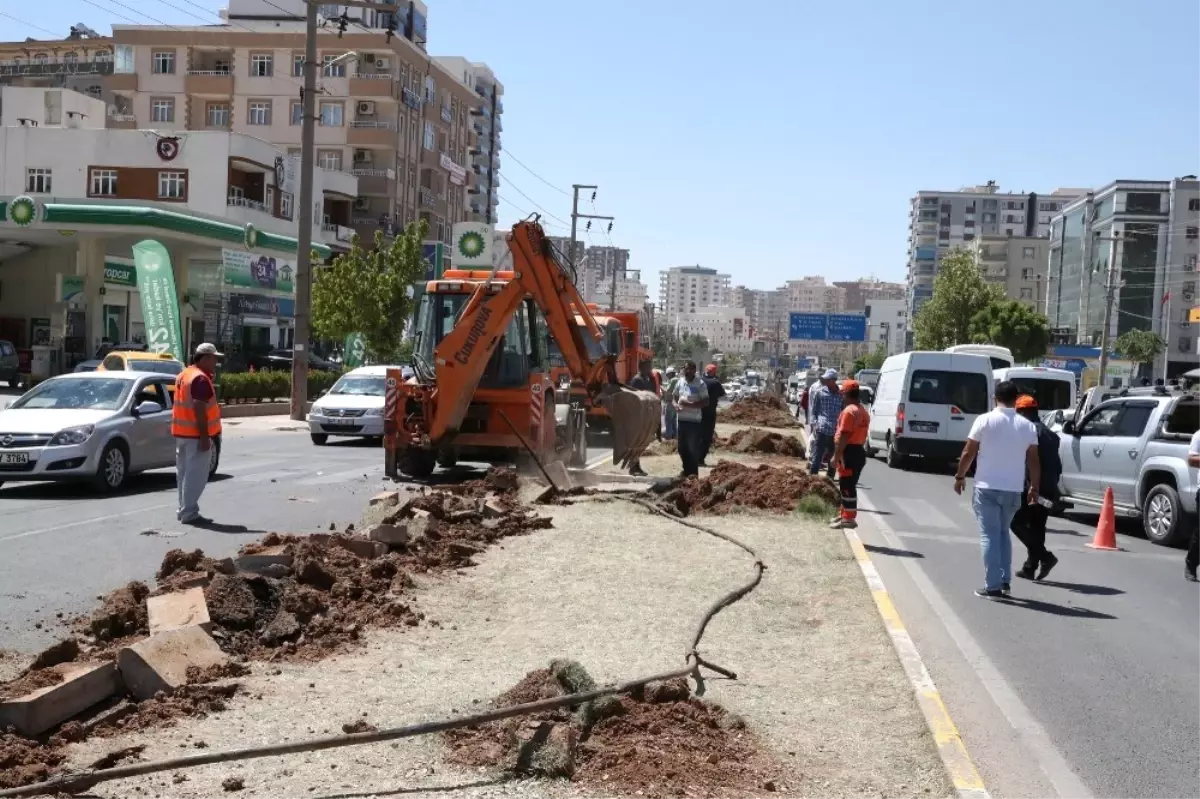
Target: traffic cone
(1106, 528)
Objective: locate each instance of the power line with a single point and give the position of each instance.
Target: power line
(128, 8)
(29, 25)
(508, 153)
(115, 14)
(190, 13)
(533, 201)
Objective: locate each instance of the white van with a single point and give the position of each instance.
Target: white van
(1001, 357)
(925, 404)
(1054, 389)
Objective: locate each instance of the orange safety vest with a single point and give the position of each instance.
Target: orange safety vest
(854, 422)
(183, 416)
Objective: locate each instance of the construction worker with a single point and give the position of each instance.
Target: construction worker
(708, 420)
(1029, 525)
(849, 454)
(195, 421)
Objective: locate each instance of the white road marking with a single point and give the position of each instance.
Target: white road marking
(1032, 735)
(337, 477)
(82, 522)
(925, 513)
(1057, 546)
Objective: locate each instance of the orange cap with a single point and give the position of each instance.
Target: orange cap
(711, 369)
(849, 384)
(1025, 401)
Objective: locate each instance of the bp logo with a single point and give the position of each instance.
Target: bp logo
(251, 236)
(470, 245)
(22, 211)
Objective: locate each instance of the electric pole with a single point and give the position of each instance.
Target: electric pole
(1110, 290)
(575, 217)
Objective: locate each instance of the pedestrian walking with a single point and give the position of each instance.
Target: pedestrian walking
(1193, 554)
(1006, 448)
(1029, 525)
(850, 454)
(195, 422)
(669, 419)
(642, 381)
(709, 412)
(690, 397)
(824, 407)
(802, 404)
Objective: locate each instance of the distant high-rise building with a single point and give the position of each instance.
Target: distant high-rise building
(864, 290)
(684, 289)
(606, 260)
(562, 244)
(813, 295)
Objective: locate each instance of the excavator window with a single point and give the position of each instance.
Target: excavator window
(513, 359)
(612, 337)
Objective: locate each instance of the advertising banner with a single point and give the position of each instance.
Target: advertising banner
(261, 305)
(248, 270)
(355, 351)
(69, 288)
(119, 274)
(160, 303)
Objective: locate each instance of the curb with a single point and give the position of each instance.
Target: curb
(959, 765)
(240, 411)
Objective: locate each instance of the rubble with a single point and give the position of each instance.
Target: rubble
(23, 761)
(659, 742)
(78, 687)
(161, 662)
(765, 442)
(176, 610)
(732, 485)
(766, 410)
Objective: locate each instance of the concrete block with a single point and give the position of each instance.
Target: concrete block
(160, 662)
(386, 498)
(178, 609)
(394, 535)
(83, 685)
(492, 508)
(558, 475)
(263, 558)
(363, 547)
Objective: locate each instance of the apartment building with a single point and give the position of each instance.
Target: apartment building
(684, 289)
(487, 124)
(81, 62)
(725, 328)
(1018, 264)
(630, 293)
(604, 261)
(887, 324)
(813, 295)
(766, 309)
(562, 244)
(865, 290)
(939, 221)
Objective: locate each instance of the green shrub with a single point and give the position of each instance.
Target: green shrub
(815, 507)
(263, 386)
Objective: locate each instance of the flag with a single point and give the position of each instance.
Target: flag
(160, 305)
(1166, 297)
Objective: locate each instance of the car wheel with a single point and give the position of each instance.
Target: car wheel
(214, 458)
(112, 469)
(895, 460)
(1162, 516)
(320, 439)
(418, 463)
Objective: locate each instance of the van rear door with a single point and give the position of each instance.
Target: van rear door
(943, 403)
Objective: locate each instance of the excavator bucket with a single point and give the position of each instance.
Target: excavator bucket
(635, 416)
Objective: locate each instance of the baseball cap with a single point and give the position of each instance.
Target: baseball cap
(711, 369)
(209, 349)
(670, 370)
(830, 374)
(1025, 401)
(847, 385)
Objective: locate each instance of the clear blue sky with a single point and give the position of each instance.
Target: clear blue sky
(777, 138)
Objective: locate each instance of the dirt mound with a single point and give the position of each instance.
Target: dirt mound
(122, 613)
(189, 701)
(763, 442)
(664, 447)
(23, 761)
(659, 742)
(761, 409)
(179, 568)
(734, 485)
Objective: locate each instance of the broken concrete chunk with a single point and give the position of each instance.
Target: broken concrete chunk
(283, 627)
(263, 558)
(558, 475)
(395, 535)
(492, 509)
(386, 498)
(178, 609)
(363, 547)
(83, 685)
(160, 662)
(64, 651)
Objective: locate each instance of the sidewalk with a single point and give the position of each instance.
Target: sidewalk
(275, 423)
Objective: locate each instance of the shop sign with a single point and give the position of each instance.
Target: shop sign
(69, 288)
(249, 270)
(160, 303)
(261, 305)
(120, 274)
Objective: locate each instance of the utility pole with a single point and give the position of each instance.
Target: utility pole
(1110, 290)
(575, 217)
(305, 218)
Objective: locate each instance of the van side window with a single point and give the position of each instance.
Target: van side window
(966, 390)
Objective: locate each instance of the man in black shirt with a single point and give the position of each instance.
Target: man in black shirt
(642, 381)
(1029, 525)
(708, 414)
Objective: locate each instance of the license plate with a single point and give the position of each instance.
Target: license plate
(13, 458)
(923, 427)
(340, 421)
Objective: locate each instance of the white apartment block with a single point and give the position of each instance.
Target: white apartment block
(725, 328)
(630, 294)
(864, 290)
(812, 295)
(686, 289)
(887, 324)
(942, 220)
(1018, 264)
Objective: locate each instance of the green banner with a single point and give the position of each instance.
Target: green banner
(119, 274)
(355, 351)
(160, 303)
(247, 270)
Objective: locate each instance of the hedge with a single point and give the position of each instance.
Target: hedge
(269, 385)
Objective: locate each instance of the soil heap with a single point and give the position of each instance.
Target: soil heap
(733, 485)
(763, 442)
(767, 410)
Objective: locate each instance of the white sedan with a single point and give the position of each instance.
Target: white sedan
(94, 426)
(352, 407)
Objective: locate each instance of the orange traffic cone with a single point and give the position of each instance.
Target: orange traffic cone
(1106, 529)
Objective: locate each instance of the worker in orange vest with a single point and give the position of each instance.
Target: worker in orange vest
(195, 422)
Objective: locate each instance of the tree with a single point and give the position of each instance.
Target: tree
(1012, 324)
(370, 292)
(1139, 346)
(959, 292)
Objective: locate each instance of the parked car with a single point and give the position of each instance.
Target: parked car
(95, 426)
(282, 359)
(1137, 445)
(140, 361)
(352, 407)
(10, 364)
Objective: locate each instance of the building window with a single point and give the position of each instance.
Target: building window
(297, 66)
(1193, 232)
(104, 182)
(260, 112)
(218, 115)
(1008, 231)
(162, 110)
(1027, 274)
(334, 70)
(123, 59)
(430, 89)
(37, 180)
(330, 159)
(1027, 294)
(1027, 252)
(172, 185)
(164, 62)
(331, 115)
(297, 113)
(262, 65)
(428, 142)
(1194, 204)
(285, 206)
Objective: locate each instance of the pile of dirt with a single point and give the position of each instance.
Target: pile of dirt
(761, 409)
(733, 485)
(664, 447)
(762, 442)
(658, 742)
(23, 761)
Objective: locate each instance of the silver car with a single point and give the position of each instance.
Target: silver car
(96, 426)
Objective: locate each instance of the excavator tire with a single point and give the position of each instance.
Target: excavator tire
(417, 463)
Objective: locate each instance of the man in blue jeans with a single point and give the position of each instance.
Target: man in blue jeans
(1005, 445)
(824, 408)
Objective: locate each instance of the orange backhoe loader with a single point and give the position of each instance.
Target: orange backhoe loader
(622, 339)
(482, 388)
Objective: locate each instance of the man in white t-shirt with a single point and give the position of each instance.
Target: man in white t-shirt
(1003, 444)
(1193, 553)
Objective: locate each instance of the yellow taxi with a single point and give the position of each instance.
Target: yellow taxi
(133, 361)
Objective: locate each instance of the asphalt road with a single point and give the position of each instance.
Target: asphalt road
(1087, 683)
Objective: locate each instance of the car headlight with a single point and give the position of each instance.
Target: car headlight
(374, 412)
(316, 410)
(72, 435)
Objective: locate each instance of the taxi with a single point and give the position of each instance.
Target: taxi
(162, 363)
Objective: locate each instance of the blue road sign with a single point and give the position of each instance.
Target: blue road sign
(847, 327)
(806, 326)
(803, 363)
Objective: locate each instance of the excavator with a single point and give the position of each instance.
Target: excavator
(622, 340)
(482, 388)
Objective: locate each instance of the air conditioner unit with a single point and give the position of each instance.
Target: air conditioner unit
(366, 108)
(362, 204)
(382, 64)
(362, 156)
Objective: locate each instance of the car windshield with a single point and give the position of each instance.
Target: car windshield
(162, 367)
(360, 385)
(102, 394)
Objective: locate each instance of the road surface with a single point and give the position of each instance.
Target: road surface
(1087, 683)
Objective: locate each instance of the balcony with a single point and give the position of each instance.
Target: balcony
(120, 119)
(372, 84)
(447, 117)
(426, 197)
(410, 99)
(208, 81)
(371, 133)
(374, 182)
(64, 67)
